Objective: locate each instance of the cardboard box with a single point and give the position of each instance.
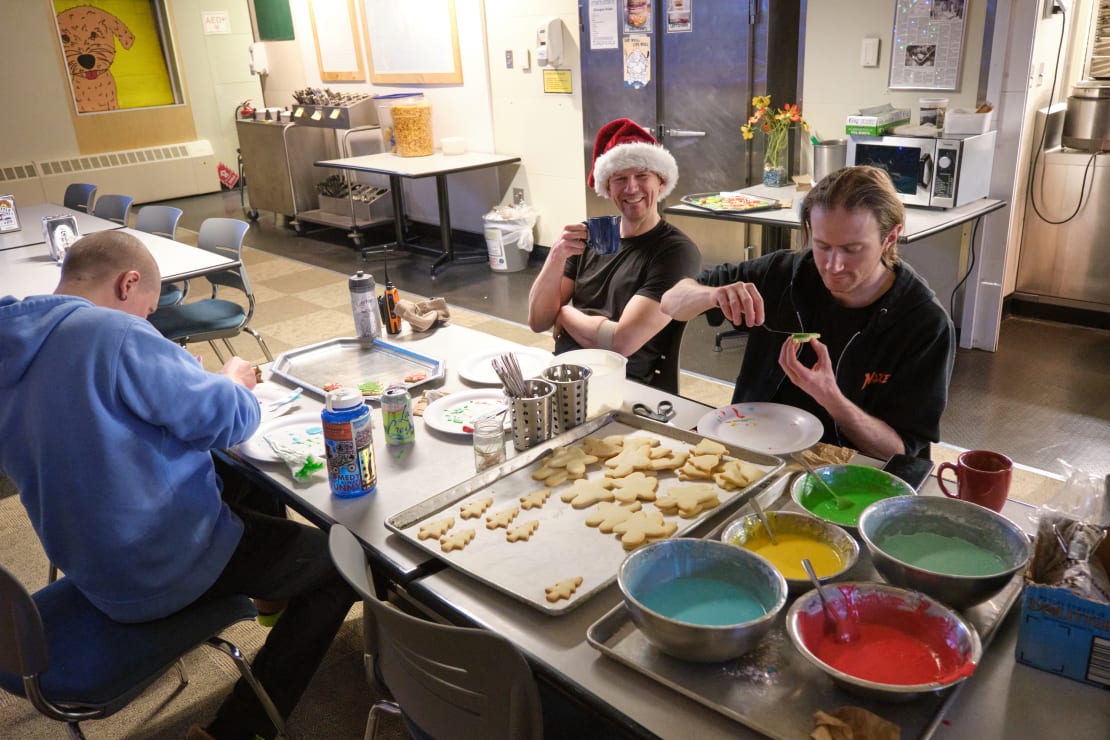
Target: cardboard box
(1064, 634)
(968, 122)
(876, 124)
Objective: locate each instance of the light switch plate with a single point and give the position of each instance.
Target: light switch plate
(524, 59)
(869, 52)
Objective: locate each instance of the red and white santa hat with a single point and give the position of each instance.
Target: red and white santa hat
(623, 144)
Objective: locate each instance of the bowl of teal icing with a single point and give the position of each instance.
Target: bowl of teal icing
(701, 600)
(955, 551)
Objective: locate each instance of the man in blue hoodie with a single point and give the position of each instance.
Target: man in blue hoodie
(108, 430)
(876, 360)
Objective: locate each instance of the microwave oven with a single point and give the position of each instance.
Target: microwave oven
(927, 171)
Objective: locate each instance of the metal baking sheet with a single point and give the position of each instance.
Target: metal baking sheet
(563, 546)
(350, 361)
(754, 688)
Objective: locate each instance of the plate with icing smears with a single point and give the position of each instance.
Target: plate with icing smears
(455, 414)
(774, 428)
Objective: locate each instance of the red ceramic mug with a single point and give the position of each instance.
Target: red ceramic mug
(982, 477)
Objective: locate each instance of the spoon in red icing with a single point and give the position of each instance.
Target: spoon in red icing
(845, 629)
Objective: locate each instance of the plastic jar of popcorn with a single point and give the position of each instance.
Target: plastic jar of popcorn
(412, 128)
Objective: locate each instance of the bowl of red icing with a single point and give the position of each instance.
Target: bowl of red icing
(903, 644)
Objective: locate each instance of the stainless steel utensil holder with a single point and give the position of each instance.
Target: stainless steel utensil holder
(571, 392)
(532, 416)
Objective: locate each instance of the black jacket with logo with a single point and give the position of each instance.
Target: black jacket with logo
(897, 368)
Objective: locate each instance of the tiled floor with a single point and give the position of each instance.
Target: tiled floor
(1044, 395)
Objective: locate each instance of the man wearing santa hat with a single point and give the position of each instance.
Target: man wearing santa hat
(611, 301)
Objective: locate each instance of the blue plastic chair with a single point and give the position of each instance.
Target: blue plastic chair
(162, 220)
(79, 196)
(114, 208)
(214, 318)
(73, 663)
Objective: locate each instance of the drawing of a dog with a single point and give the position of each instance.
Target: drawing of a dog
(89, 39)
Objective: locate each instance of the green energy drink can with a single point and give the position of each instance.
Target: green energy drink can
(397, 416)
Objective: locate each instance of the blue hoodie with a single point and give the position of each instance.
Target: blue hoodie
(106, 427)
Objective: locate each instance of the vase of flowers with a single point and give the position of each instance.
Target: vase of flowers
(776, 124)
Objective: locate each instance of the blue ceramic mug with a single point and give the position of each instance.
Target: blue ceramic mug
(605, 234)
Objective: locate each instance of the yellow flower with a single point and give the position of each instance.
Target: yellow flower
(776, 124)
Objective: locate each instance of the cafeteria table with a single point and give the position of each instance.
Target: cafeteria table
(1002, 700)
(30, 270)
(30, 222)
(436, 165)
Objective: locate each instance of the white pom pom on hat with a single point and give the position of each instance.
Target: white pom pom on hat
(623, 144)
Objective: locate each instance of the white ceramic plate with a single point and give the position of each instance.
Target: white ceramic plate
(268, 393)
(305, 426)
(477, 368)
(774, 428)
(451, 413)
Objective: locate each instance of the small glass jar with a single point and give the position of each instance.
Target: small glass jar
(489, 442)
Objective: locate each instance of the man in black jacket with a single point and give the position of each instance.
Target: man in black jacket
(878, 376)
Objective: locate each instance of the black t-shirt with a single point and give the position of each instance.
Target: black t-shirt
(838, 325)
(648, 265)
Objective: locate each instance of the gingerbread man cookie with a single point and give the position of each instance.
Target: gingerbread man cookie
(574, 459)
(709, 447)
(609, 514)
(603, 449)
(689, 501)
(502, 518)
(635, 487)
(563, 589)
(737, 474)
(636, 455)
(644, 526)
(475, 509)
(435, 529)
(585, 492)
(456, 540)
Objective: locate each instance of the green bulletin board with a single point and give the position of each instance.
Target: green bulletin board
(275, 22)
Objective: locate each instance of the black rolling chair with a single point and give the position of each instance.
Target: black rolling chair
(79, 196)
(73, 663)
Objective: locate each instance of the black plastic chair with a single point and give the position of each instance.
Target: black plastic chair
(115, 208)
(214, 318)
(79, 196)
(73, 663)
(162, 221)
(451, 682)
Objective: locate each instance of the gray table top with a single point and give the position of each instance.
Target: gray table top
(30, 222)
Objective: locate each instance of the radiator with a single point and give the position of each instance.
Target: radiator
(151, 174)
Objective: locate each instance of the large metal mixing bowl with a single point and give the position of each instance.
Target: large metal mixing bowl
(656, 564)
(878, 603)
(944, 517)
(847, 480)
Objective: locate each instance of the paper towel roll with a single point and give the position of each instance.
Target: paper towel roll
(452, 144)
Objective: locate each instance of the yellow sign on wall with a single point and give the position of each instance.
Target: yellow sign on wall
(113, 53)
(557, 81)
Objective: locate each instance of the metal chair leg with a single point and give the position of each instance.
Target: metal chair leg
(182, 674)
(53, 574)
(216, 348)
(261, 342)
(388, 707)
(73, 731)
(245, 670)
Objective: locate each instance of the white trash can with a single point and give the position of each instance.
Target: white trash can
(509, 239)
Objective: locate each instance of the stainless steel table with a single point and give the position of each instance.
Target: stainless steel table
(30, 222)
(436, 165)
(436, 462)
(31, 270)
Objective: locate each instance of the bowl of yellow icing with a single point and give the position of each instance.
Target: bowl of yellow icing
(830, 549)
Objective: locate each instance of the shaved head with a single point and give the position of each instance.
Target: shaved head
(112, 269)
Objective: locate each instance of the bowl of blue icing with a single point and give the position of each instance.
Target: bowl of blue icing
(701, 600)
(960, 553)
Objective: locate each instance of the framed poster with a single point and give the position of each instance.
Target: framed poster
(9, 216)
(412, 43)
(927, 47)
(60, 232)
(335, 31)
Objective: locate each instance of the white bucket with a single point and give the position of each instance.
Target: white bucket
(607, 381)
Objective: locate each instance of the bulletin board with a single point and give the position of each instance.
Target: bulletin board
(275, 21)
(412, 42)
(335, 31)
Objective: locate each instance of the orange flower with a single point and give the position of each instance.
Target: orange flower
(775, 123)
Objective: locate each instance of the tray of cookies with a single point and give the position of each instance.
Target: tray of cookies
(550, 526)
(371, 365)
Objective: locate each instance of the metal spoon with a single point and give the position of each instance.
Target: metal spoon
(763, 520)
(845, 631)
(841, 503)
